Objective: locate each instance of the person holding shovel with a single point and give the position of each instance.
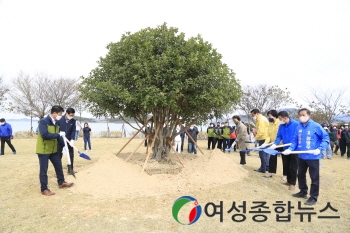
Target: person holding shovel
(285, 134)
(309, 136)
(46, 148)
(262, 129)
(68, 125)
(241, 138)
(274, 124)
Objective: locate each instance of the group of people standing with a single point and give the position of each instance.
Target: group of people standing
(306, 136)
(340, 139)
(220, 136)
(225, 137)
(278, 131)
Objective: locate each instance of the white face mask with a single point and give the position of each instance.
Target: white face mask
(282, 122)
(191, 127)
(58, 118)
(304, 119)
(69, 117)
(254, 118)
(2, 123)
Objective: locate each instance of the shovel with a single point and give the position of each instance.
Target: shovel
(258, 148)
(295, 152)
(81, 154)
(66, 152)
(275, 152)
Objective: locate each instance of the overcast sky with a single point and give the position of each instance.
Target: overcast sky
(294, 44)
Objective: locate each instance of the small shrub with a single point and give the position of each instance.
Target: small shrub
(25, 134)
(202, 136)
(139, 134)
(112, 134)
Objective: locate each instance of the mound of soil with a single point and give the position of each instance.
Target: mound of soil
(113, 177)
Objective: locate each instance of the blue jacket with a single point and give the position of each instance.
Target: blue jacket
(310, 136)
(286, 132)
(5, 130)
(68, 126)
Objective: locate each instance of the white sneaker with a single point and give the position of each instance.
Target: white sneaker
(86, 150)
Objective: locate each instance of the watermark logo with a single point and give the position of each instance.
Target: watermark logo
(194, 214)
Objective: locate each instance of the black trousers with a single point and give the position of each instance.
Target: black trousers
(242, 155)
(219, 143)
(71, 154)
(8, 141)
(292, 168)
(314, 172)
(284, 164)
(44, 163)
(348, 150)
(273, 162)
(342, 146)
(211, 142)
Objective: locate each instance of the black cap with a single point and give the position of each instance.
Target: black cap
(2, 120)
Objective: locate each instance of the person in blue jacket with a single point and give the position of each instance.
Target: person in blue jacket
(68, 125)
(285, 134)
(309, 135)
(6, 136)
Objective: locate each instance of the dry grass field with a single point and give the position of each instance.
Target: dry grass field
(24, 209)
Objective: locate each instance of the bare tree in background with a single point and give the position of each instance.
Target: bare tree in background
(34, 96)
(327, 105)
(264, 97)
(79, 107)
(64, 92)
(3, 91)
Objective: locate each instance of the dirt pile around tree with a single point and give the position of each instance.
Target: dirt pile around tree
(113, 177)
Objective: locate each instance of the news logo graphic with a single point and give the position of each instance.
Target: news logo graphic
(194, 214)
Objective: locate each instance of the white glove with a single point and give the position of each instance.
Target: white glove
(64, 150)
(286, 152)
(317, 152)
(262, 145)
(273, 146)
(72, 143)
(62, 134)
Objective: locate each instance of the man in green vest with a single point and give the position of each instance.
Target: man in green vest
(46, 147)
(211, 136)
(226, 131)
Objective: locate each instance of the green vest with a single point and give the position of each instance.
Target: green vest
(49, 146)
(211, 133)
(226, 132)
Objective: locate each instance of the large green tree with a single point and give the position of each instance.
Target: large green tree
(158, 72)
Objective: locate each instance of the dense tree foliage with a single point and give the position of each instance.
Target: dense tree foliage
(158, 72)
